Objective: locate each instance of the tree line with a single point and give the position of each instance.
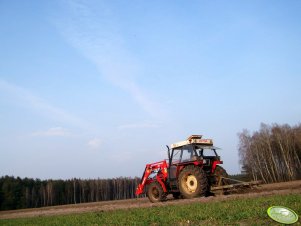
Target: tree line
(17, 193)
(272, 154)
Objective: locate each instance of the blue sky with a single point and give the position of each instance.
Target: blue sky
(98, 88)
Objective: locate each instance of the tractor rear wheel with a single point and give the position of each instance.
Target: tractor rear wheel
(155, 192)
(192, 182)
(219, 173)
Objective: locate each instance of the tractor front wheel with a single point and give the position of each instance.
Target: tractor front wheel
(155, 192)
(192, 182)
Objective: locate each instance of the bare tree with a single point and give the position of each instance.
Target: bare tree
(271, 154)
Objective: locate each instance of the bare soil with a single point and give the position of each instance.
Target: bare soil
(293, 187)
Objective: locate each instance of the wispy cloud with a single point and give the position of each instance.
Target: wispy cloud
(25, 98)
(95, 143)
(53, 132)
(95, 34)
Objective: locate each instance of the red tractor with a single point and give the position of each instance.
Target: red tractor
(191, 169)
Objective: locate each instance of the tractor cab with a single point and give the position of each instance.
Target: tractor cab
(194, 150)
(191, 153)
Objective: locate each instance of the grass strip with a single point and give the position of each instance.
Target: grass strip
(242, 211)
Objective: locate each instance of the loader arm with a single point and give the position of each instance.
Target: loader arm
(149, 169)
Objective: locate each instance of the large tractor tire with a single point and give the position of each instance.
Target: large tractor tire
(219, 173)
(155, 192)
(192, 182)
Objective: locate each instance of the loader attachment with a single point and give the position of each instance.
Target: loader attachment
(153, 171)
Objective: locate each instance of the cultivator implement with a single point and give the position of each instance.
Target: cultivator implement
(228, 185)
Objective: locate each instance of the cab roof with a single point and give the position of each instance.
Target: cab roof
(193, 139)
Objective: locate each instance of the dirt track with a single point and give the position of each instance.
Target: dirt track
(263, 190)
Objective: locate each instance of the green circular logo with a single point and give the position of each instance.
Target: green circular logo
(282, 214)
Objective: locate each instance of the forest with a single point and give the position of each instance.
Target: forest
(272, 154)
(17, 193)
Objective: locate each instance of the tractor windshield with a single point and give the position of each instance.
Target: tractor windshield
(183, 154)
(206, 151)
(188, 153)
(176, 156)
